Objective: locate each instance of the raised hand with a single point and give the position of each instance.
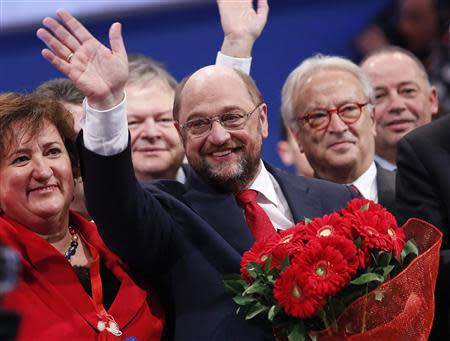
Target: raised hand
(241, 25)
(99, 72)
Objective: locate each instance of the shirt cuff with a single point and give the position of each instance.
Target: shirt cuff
(242, 64)
(105, 132)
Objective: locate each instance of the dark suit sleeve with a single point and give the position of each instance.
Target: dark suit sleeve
(417, 193)
(422, 180)
(130, 220)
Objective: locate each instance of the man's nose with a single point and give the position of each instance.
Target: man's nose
(150, 129)
(336, 124)
(396, 102)
(218, 134)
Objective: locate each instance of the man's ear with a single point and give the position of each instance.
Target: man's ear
(263, 119)
(433, 97)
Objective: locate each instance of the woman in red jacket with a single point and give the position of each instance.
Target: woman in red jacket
(71, 286)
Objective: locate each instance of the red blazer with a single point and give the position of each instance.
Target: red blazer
(53, 304)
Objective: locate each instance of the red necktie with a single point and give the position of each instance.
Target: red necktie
(356, 190)
(257, 219)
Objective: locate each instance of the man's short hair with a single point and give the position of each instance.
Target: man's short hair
(60, 89)
(391, 49)
(143, 69)
(250, 84)
(311, 66)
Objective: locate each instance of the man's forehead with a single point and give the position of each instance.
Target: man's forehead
(325, 84)
(154, 85)
(205, 77)
(393, 64)
(212, 88)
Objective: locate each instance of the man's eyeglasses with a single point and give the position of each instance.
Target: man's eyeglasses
(233, 120)
(319, 119)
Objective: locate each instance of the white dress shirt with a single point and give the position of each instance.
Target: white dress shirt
(367, 183)
(272, 200)
(242, 64)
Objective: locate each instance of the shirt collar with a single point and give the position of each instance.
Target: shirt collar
(385, 164)
(365, 182)
(264, 185)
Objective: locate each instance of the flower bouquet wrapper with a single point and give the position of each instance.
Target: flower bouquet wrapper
(401, 308)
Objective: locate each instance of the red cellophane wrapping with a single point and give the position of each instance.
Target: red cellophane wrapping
(406, 309)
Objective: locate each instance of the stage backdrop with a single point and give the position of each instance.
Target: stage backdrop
(187, 36)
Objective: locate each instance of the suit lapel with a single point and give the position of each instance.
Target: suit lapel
(386, 188)
(220, 211)
(302, 200)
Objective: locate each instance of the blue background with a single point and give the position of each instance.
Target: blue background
(186, 38)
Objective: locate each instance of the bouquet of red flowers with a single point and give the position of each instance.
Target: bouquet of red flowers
(353, 274)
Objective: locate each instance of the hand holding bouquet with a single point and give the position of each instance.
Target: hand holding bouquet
(339, 275)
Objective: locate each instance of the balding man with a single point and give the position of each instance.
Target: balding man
(187, 236)
(405, 99)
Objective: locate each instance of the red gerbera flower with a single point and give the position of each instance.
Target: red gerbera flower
(291, 241)
(326, 226)
(378, 231)
(260, 252)
(328, 263)
(355, 205)
(294, 295)
(398, 239)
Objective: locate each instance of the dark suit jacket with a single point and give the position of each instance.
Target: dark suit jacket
(423, 175)
(187, 236)
(386, 189)
(423, 191)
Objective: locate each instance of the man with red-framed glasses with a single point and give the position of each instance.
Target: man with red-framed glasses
(328, 103)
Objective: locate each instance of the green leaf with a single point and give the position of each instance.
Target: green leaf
(256, 287)
(364, 207)
(285, 263)
(384, 259)
(273, 311)
(255, 310)
(297, 333)
(358, 242)
(307, 220)
(274, 272)
(379, 296)
(408, 259)
(234, 284)
(387, 270)
(244, 300)
(268, 262)
(254, 269)
(368, 277)
(409, 248)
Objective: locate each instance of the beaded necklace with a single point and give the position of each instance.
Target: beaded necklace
(73, 244)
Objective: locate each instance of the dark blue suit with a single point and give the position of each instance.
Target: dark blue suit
(186, 237)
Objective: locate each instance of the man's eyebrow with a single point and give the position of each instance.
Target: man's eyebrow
(224, 110)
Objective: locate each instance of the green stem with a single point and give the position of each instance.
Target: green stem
(333, 314)
(323, 316)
